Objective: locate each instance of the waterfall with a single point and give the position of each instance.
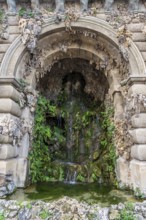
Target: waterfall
(71, 176)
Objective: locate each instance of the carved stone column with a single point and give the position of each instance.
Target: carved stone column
(108, 4)
(133, 5)
(59, 6)
(11, 6)
(35, 5)
(84, 5)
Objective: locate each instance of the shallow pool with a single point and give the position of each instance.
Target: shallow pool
(90, 193)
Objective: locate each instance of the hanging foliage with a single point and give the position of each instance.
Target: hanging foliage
(93, 154)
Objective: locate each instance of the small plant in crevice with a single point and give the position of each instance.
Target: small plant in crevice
(107, 143)
(1, 15)
(23, 12)
(138, 194)
(44, 214)
(127, 213)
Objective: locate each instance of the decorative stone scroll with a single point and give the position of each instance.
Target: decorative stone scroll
(30, 30)
(28, 98)
(124, 36)
(10, 126)
(135, 103)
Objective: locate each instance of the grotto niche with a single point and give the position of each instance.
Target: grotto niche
(73, 131)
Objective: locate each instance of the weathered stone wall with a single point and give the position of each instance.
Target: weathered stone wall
(114, 40)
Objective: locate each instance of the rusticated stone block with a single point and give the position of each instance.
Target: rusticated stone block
(137, 89)
(8, 91)
(7, 151)
(139, 152)
(8, 166)
(6, 139)
(138, 174)
(139, 121)
(9, 106)
(138, 135)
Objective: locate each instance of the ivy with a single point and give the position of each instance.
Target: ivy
(107, 148)
(40, 157)
(51, 127)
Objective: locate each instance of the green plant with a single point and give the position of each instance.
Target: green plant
(127, 212)
(29, 205)
(138, 194)
(45, 136)
(44, 214)
(1, 15)
(2, 216)
(91, 129)
(24, 12)
(107, 148)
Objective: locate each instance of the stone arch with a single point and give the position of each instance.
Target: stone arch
(11, 64)
(17, 50)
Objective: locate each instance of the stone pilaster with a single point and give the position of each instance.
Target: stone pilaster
(138, 134)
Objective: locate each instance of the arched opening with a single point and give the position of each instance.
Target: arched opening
(90, 43)
(75, 98)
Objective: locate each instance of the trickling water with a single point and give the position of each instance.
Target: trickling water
(71, 176)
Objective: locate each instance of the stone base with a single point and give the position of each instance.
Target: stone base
(138, 175)
(18, 168)
(22, 172)
(122, 171)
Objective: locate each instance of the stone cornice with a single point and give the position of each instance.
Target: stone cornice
(136, 80)
(10, 81)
